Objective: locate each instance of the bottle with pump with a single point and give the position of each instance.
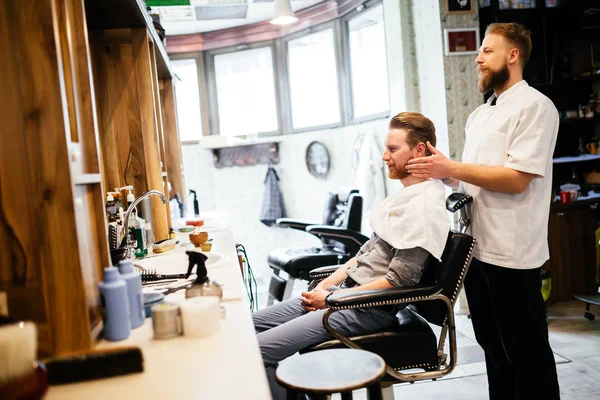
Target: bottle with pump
(138, 226)
(202, 286)
(133, 280)
(113, 291)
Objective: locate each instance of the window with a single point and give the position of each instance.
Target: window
(368, 63)
(245, 87)
(187, 99)
(313, 80)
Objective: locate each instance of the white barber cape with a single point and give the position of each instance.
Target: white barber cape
(519, 132)
(414, 217)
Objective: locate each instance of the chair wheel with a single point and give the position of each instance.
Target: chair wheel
(589, 316)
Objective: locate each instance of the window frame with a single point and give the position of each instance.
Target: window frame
(342, 93)
(211, 85)
(345, 21)
(200, 68)
(279, 55)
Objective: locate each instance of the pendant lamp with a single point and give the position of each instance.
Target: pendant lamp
(283, 13)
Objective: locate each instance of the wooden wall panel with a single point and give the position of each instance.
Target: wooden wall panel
(147, 109)
(159, 125)
(121, 136)
(172, 143)
(39, 239)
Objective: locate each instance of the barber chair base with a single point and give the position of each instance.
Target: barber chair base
(409, 344)
(588, 300)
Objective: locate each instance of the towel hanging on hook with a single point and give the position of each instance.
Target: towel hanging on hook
(273, 206)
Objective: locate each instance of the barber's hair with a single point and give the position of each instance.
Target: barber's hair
(517, 35)
(418, 129)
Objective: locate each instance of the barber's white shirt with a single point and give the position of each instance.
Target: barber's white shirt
(519, 132)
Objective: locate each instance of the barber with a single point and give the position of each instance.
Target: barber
(507, 168)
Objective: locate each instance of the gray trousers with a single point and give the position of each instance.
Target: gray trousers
(285, 328)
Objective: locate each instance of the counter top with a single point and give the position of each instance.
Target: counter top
(225, 365)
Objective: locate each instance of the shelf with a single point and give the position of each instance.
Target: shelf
(84, 179)
(582, 201)
(213, 142)
(586, 157)
(121, 14)
(570, 121)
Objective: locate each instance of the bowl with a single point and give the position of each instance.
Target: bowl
(197, 238)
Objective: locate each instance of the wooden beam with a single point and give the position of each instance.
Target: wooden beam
(39, 261)
(172, 143)
(149, 125)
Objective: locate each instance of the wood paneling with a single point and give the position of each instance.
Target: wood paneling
(129, 115)
(572, 253)
(159, 125)
(121, 14)
(172, 143)
(149, 123)
(40, 260)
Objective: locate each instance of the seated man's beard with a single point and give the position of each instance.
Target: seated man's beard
(398, 173)
(490, 79)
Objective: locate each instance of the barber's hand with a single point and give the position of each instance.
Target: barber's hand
(315, 299)
(436, 165)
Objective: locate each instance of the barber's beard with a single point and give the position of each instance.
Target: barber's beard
(490, 79)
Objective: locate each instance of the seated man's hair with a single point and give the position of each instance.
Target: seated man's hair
(418, 128)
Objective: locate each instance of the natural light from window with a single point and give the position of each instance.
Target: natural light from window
(246, 92)
(313, 80)
(187, 97)
(368, 63)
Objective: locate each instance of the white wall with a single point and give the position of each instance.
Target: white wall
(429, 54)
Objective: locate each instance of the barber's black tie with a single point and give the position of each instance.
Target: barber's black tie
(493, 103)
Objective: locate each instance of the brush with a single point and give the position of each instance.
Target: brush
(97, 364)
(152, 276)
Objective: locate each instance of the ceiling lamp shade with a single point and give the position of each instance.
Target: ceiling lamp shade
(283, 13)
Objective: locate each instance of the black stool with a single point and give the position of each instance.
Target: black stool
(324, 372)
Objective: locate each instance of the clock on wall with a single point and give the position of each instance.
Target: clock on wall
(317, 159)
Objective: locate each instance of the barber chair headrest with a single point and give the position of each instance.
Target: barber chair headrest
(345, 193)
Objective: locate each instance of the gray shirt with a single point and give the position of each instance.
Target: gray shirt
(377, 259)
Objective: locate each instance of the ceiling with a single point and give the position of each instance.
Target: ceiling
(211, 15)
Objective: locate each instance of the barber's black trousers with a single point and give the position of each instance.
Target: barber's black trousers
(509, 320)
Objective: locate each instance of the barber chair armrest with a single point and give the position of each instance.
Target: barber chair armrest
(456, 201)
(353, 240)
(324, 272)
(381, 297)
(293, 223)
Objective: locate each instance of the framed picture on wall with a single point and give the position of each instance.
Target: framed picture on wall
(459, 6)
(461, 41)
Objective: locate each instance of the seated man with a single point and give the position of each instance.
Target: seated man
(408, 227)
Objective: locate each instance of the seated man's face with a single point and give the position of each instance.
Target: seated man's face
(397, 153)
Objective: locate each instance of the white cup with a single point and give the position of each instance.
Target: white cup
(200, 316)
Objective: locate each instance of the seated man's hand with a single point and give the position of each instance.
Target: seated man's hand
(315, 299)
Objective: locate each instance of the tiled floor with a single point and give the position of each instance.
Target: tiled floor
(572, 337)
(575, 342)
